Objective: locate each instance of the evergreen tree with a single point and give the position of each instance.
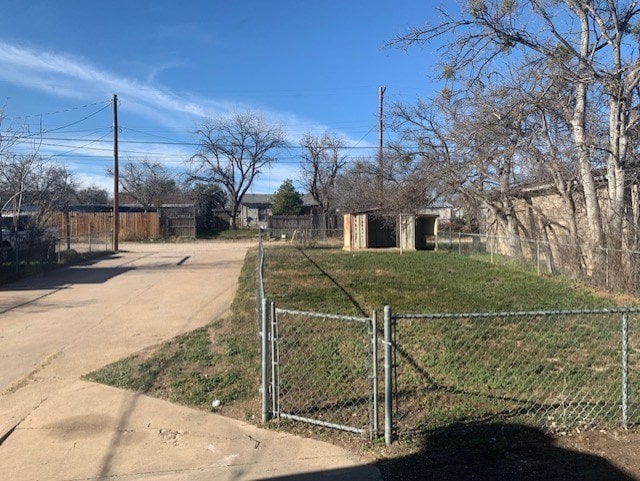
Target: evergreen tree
(287, 201)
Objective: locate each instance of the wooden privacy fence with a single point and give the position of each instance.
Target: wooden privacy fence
(178, 220)
(133, 225)
(286, 224)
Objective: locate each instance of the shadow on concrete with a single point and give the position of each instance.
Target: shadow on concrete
(86, 272)
(71, 275)
(358, 473)
(106, 463)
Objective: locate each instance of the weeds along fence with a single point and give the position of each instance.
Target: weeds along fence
(612, 269)
(410, 373)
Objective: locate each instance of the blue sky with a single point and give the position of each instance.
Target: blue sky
(312, 66)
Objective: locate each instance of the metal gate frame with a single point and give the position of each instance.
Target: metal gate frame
(371, 323)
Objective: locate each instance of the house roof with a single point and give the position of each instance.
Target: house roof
(308, 200)
(267, 200)
(257, 199)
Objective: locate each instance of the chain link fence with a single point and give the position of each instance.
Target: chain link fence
(260, 295)
(307, 237)
(324, 370)
(614, 269)
(39, 254)
(556, 370)
(90, 243)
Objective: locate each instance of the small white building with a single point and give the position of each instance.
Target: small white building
(370, 230)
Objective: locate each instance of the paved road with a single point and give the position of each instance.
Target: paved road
(56, 327)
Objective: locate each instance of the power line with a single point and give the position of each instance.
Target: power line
(147, 133)
(61, 111)
(177, 143)
(81, 147)
(135, 157)
(72, 123)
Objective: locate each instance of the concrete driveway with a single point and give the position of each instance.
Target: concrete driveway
(56, 327)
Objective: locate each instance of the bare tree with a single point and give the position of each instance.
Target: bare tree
(469, 145)
(233, 152)
(149, 183)
(35, 181)
(92, 195)
(580, 44)
(323, 158)
(353, 190)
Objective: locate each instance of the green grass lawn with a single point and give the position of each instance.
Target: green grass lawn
(331, 280)
(221, 361)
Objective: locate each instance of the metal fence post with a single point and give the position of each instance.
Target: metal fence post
(275, 383)
(492, 246)
(374, 367)
(265, 359)
(388, 377)
(606, 263)
(625, 370)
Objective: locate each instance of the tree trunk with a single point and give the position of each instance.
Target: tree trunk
(234, 218)
(615, 174)
(579, 125)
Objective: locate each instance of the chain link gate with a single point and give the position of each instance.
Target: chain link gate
(324, 370)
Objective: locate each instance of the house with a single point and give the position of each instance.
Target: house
(539, 224)
(255, 209)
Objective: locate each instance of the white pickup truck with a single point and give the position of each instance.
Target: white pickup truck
(14, 236)
(12, 240)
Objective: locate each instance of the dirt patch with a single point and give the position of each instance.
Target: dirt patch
(513, 452)
(621, 449)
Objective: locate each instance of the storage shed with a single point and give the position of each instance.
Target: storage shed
(370, 230)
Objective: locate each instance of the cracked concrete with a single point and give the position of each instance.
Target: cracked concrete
(56, 327)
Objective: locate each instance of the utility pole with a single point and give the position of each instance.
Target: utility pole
(381, 92)
(116, 203)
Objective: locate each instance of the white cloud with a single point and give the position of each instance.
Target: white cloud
(67, 76)
(64, 75)
(100, 181)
